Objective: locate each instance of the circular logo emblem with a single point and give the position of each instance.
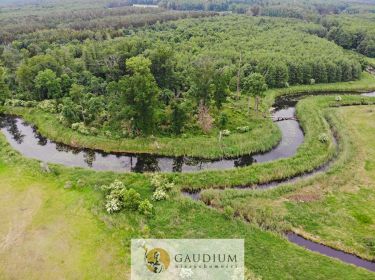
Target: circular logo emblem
(157, 260)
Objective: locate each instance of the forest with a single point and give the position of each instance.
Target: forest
(179, 68)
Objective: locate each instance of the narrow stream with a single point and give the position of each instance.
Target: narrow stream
(328, 251)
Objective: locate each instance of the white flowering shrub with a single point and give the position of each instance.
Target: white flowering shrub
(159, 194)
(243, 129)
(161, 187)
(49, 106)
(157, 181)
(114, 203)
(116, 185)
(119, 197)
(225, 132)
(81, 128)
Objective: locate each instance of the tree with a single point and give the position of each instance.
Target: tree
(202, 80)
(4, 89)
(220, 86)
(255, 85)
(47, 85)
(28, 71)
(163, 66)
(178, 117)
(139, 94)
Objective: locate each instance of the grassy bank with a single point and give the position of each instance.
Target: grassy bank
(334, 208)
(263, 134)
(68, 229)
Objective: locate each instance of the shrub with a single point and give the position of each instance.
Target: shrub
(93, 131)
(49, 106)
(159, 182)
(114, 203)
(223, 120)
(156, 181)
(116, 185)
(145, 207)
(81, 128)
(131, 199)
(243, 129)
(118, 198)
(225, 132)
(159, 194)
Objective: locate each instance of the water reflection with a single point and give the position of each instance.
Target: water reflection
(26, 139)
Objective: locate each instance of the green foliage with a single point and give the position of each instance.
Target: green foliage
(179, 116)
(228, 212)
(139, 93)
(255, 85)
(4, 88)
(49, 106)
(47, 85)
(223, 120)
(131, 199)
(146, 208)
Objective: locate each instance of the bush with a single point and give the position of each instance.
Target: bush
(223, 120)
(145, 207)
(114, 203)
(116, 185)
(159, 194)
(156, 181)
(243, 129)
(159, 182)
(131, 199)
(118, 198)
(49, 106)
(81, 128)
(225, 132)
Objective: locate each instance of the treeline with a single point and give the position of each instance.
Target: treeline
(83, 24)
(175, 76)
(285, 8)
